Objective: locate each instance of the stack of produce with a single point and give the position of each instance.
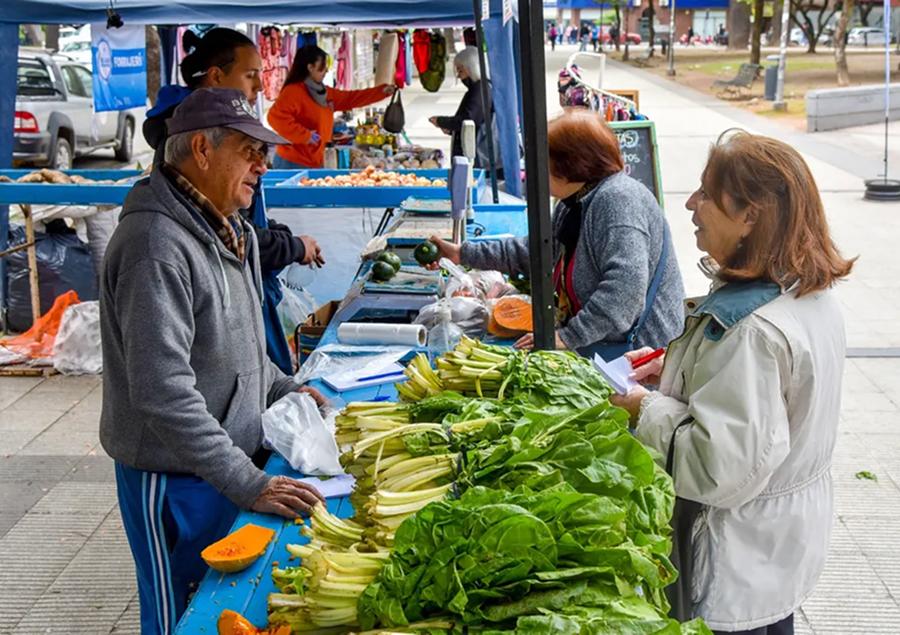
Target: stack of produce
(372, 177)
(529, 508)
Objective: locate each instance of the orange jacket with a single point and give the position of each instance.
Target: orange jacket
(295, 115)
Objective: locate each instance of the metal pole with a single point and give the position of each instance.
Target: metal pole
(671, 55)
(9, 45)
(887, 80)
(486, 102)
(536, 185)
(782, 55)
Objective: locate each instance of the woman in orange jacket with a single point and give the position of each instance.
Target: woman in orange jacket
(304, 111)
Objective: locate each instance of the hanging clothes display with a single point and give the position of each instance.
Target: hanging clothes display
(274, 71)
(345, 63)
(422, 49)
(574, 93)
(386, 62)
(400, 69)
(409, 59)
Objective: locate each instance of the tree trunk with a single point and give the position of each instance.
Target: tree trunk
(755, 40)
(618, 26)
(154, 62)
(52, 33)
(627, 22)
(840, 43)
(34, 36)
(652, 27)
(776, 21)
(738, 26)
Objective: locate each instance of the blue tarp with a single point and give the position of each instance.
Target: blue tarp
(347, 12)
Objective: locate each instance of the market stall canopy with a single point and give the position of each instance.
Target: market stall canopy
(344, 12)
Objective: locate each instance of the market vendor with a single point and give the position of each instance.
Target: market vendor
(749, 395)
(186, 375)
(471, 107)
(225, 58)
(616, 277)
(304, 110)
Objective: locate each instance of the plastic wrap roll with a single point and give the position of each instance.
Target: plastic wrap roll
(363, 333)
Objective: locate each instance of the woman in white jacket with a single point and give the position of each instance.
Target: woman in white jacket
(749, 396)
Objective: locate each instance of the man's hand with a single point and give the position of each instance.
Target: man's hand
(448, 250)
(320, 399)
(313, 253)
(287, 497)
(389, 89)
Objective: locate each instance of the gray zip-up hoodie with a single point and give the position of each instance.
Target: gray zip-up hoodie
(186, 377)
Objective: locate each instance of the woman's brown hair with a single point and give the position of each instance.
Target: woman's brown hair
(790, 242)
(582, 148)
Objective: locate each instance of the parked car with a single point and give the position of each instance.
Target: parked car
(55, 119)
(606, 38)
(78, 50)
(866, 36)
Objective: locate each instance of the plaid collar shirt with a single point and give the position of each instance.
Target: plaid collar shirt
(228, 228)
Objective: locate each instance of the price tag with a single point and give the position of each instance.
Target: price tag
(507, 11)
(485, 9)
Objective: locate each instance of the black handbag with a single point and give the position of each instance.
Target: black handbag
(394, 117)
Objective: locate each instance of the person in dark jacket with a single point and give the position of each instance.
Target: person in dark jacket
(616, 276)
(471, 106)
(224, 58)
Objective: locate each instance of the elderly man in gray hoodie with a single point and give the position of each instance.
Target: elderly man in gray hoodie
(186, 373)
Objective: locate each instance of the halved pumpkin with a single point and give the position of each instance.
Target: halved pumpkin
(513, 314)
(239, 549)
(497, 330)
(231, 623)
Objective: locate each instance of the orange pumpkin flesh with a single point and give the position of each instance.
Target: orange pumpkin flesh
(512, 315)
(239, 549)
(231, 623)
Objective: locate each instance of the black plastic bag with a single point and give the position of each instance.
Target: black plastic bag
(64, 263)
(394, 117)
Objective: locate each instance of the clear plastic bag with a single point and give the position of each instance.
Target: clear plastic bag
(337, 358)
(76, 350)
(294, 427)
(445, 335)
(469, 314)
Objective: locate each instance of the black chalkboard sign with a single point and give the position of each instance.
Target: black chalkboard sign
(637, 140)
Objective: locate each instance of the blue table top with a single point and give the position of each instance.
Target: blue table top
(247, 591)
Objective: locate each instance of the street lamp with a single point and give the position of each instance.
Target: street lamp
(671, 55)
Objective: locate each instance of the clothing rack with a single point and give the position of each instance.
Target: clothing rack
(576, 75)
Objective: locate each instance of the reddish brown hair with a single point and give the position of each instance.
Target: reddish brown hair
(582, 147)
(790, 242)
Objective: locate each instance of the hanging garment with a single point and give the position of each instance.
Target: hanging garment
(437, 64)
(409, 59)
(273, 72)
(421, 49)
(400, 67)
(386, 63)
(345, 62)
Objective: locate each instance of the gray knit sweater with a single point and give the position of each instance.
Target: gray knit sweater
(615, 258)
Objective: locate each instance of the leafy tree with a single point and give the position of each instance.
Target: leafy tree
(802, 16)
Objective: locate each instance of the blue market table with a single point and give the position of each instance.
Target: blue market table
(247, 591)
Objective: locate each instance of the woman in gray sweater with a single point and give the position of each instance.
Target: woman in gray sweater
(616, 276)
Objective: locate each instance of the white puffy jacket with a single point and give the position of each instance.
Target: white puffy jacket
(763, 392)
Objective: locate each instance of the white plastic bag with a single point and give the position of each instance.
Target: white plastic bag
(444, 335)
(76, 350)
(294, 427)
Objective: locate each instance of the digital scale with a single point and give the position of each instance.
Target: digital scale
(415, 287)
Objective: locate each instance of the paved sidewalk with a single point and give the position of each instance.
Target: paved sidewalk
(65, 566)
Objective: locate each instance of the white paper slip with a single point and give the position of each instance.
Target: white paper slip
(366, 376)
(617, 373)
(333, 487)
